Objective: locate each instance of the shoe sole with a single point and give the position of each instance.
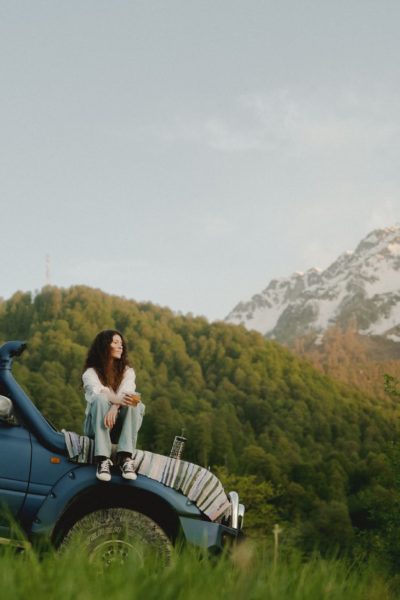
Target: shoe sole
(103, 477)
(131, 476)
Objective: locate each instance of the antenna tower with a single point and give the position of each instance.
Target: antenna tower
(48, 279)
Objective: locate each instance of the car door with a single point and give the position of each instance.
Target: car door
(15, 463)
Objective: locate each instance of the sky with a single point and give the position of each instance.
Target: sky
(186, 152)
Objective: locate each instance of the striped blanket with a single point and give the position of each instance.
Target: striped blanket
(197, 483)
(80, 447)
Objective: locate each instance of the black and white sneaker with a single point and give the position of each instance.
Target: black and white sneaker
(103, 470)
(128, 469)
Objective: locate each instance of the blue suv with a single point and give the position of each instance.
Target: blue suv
(55, 500)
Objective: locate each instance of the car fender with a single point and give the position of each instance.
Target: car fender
(81, 482)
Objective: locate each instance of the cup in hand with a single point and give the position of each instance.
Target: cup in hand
(134, 398)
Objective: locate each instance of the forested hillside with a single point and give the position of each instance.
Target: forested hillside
(248, 406)
(359, 360)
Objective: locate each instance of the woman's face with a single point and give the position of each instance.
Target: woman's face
(116, 347)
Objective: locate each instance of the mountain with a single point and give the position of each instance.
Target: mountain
(247, 404)
(360, 287)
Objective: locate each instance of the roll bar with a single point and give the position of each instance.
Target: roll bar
(9, 351)
(26, 410)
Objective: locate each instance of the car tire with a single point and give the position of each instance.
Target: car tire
(118, 535)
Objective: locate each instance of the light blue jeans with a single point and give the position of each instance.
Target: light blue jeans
(127, 426)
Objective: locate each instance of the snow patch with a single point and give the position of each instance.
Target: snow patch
(265, 320)
(384, 324)
(327, 309)
(394, 249)
(393, 337)
(388, 280)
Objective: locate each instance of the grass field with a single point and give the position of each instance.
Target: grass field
(247, 573)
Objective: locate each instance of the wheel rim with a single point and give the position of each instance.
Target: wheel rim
(113, 552)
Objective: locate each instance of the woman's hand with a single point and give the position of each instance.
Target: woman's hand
(111, 417)
(131, 399)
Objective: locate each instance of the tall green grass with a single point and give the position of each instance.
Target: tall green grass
(246, 573)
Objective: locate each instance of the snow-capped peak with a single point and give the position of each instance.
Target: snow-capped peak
(363, 284)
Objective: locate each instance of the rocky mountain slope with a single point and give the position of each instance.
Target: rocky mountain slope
(361, 287)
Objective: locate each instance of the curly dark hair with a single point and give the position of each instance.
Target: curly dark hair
(110, 372)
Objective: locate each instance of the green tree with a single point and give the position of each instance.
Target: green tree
(258, 497)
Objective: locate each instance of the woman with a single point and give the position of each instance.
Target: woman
(114, 411)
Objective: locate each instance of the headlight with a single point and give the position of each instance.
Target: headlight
(241, 516)
(237, 515)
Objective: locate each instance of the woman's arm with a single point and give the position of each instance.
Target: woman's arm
(92, 387)
(127, 390)
(128, 383)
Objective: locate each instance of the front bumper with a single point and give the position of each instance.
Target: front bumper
(215, 536)
(210, 536)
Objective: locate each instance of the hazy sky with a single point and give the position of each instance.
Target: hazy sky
(186, 152)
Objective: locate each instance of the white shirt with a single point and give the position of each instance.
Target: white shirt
(92, 385)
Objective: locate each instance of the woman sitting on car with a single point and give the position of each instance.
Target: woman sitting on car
(114, 411)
